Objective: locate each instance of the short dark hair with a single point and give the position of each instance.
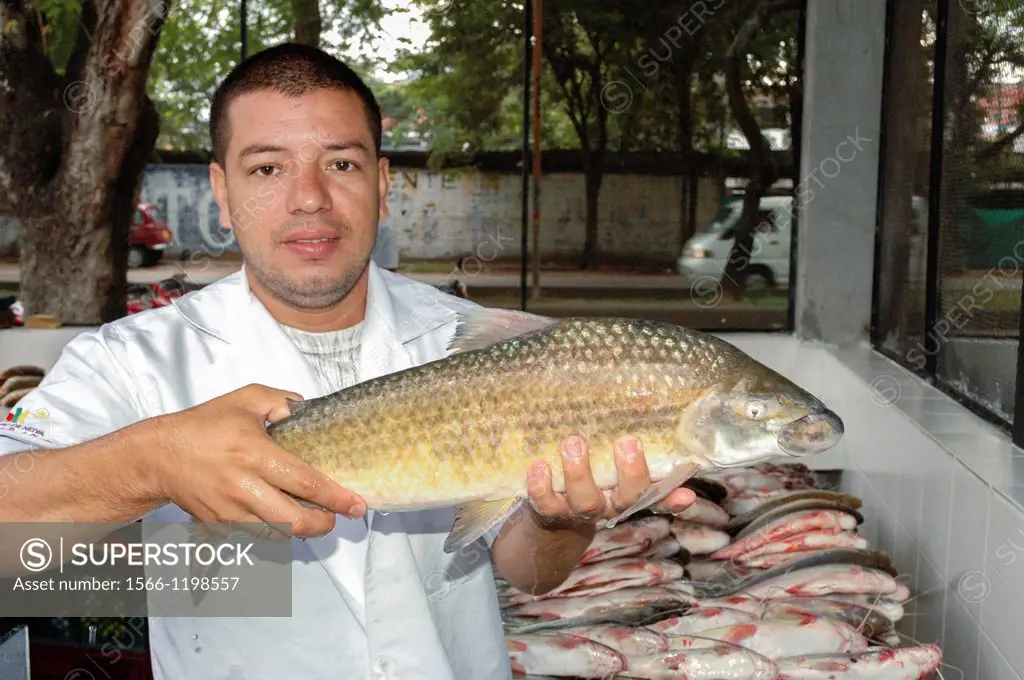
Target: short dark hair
(293, 69)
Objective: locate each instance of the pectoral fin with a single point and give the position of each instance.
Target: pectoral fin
(473, 520)
(658, 490)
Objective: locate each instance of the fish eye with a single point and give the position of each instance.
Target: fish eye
(755, 409)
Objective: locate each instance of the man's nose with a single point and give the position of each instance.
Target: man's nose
(308, 192)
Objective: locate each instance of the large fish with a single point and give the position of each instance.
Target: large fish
(463, 430)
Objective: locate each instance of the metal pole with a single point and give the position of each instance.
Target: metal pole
(527, 33)
(795, 146)
(1018, 401)
(931, 283)
(538, 33)
(244, 30)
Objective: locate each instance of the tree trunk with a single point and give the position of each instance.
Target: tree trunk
(900, 300)
(684, 140)
(763, 171)
(77, 148)
(308, 25)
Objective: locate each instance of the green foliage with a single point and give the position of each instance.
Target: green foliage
(182, 82)
(59, 27)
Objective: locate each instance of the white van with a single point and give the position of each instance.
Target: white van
(706, 253)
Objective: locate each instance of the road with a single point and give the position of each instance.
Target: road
(664, 297)
(207, 271)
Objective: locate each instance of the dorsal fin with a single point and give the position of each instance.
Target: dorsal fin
(481, 327)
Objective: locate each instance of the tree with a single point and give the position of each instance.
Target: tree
(78, 134)
(761, 161)
(183, 86)
(906, 165)
(308, 24)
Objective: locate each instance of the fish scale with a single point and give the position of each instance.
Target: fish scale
(463, 430)
(402, 426)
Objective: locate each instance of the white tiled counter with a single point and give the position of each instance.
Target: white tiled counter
(943, 493)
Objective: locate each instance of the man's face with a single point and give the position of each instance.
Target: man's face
(304, 190)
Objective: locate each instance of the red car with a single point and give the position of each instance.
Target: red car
(150, 237)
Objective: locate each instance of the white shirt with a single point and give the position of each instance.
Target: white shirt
(422, 613)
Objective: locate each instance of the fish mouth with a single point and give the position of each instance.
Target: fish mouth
(814, 433)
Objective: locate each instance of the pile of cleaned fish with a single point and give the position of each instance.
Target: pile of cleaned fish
(17, 381)
(765, 577)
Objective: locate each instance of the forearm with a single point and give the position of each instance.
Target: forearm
(535, 558)
(109, 479)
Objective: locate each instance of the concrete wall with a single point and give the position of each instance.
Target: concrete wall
(839, 164)
(441, 215)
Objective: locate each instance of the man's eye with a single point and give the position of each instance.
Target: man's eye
(265, 170)
(343, 165)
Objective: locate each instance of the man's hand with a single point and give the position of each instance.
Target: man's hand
(539, 546)
(217, 462)
(582, 500)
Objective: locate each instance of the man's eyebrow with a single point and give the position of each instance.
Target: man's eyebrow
(342, 145)
(253, 149)
(333, 145)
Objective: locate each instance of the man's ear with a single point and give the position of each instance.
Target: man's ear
(219, 185)
(383, 186)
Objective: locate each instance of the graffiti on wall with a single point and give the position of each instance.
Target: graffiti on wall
(445, 214)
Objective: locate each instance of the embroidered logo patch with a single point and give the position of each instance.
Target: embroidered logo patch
(15, 422)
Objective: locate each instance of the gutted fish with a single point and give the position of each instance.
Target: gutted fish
(810, 499)
(787, 526)
(564, 655)
(778, 638)
(697, 538)
(705, 512)
(590, 605)
(630, 538)
(715, 661)
(704, 618)
(606, 576)
(627, 640)
(865, 620)
(808, 541)
(900, 663)
(846, 579)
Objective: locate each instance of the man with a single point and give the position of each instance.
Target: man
(160, 415)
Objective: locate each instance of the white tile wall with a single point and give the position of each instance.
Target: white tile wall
(943, 493)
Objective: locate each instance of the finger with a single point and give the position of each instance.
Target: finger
(268, 403)
(582, 493)
(245, 522)
(295, 477)
(676, 502)
(545, 501)
(633, 475)
(270, 505)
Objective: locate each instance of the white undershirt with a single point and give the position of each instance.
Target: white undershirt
(334, 356)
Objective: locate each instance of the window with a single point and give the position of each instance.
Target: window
(951, 237)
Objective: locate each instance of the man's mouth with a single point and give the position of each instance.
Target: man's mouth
(319, 248)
